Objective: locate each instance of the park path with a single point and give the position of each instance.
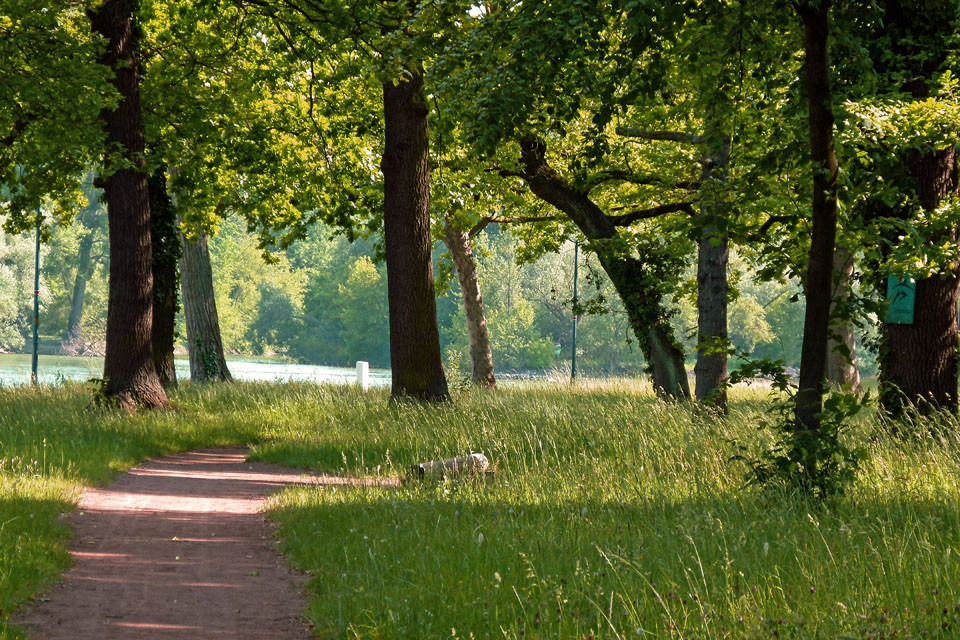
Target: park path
(177, 548)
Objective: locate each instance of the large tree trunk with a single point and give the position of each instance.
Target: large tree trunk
(712, 256)
(165, 239)
(128, 369)
(918, 362)
(642, 300)
(481, 357)
(207, 362)
(85, 267)
(415, 358)
(842, 344)
(818, 285)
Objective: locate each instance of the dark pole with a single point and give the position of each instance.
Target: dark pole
(573, 350)
(36, 304)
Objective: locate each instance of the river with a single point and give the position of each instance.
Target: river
(15, 370)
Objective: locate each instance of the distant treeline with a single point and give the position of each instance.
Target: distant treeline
(324, 301)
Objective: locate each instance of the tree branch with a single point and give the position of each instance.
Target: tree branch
(668, 136)
(772, 220)
(483, 222)
(615, 175)
(19, 125)
(626, 219)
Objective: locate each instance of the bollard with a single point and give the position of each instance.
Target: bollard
(363, 374)
(475, 464)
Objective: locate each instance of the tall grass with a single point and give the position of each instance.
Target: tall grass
(611, 515)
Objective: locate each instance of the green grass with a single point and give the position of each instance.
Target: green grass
(611, 515)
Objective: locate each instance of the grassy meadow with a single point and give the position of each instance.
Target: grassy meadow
(610, 515)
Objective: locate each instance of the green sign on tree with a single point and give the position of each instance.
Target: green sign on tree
(901, 297)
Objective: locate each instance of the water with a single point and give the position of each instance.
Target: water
(15, 370)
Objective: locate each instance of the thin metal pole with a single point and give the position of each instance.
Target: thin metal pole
(36, 305)
(573, 350)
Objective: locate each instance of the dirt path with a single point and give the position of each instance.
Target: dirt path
(176, 548)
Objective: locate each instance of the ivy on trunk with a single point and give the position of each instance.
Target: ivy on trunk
(165, 240)
(636, 285)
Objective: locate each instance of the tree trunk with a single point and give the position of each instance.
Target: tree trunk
(481, 357)
(641, 299)
(819, 281)
(128, 369)
(918, 362)
(207, 362)
(165, 239)
(415, 358)
(85, 267)
(712, 256)
(667, 367)
(842, 345)
(89, 220)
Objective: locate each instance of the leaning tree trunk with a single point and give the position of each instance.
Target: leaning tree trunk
(128, 369)
(918, 362)
(415, 358)
(667, 366)
(207, 362)
(85, 267)
(481, 357)
(818, 284)
(842, 344)
(712, 256)
(165, 239)
(629, 275)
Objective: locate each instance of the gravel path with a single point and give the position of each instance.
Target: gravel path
(177, 548)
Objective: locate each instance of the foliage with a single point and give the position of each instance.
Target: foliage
(16, 289)
(52, 95)
(886, 133)
(364, 313)
(817, 462)
(248, 290)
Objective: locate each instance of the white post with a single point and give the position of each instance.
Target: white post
(363, 374)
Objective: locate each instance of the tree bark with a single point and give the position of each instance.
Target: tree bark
(819, 281)
(481, 357)
(129, 372)
(712, 256)
(842, 344)
(415, 358)
(165, 239)
(207, 361)
(918, 362)
(642, 301)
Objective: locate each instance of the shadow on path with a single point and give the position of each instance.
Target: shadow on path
(176, 548)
